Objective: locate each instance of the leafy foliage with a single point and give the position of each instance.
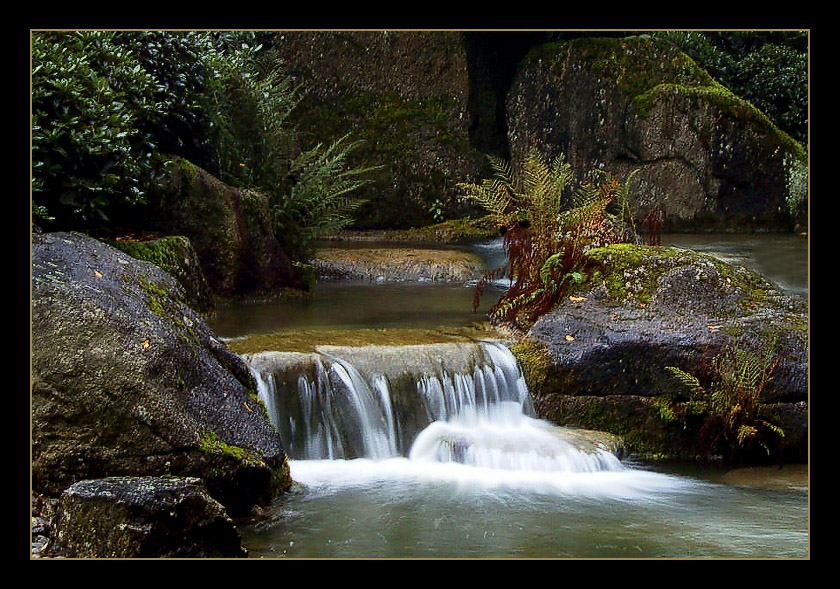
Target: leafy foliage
(767, 68)
(731, 404)
(256, 147)
(105, 105)
(90, 96)
(546, 229)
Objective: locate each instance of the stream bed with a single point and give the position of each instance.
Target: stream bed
(404, 505)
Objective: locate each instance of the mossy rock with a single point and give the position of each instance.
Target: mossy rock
(710, 158)
(175, 255)
(643, 308)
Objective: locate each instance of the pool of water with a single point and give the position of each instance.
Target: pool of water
(396, 509)
(348, 304)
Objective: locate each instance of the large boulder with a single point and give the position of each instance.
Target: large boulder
(229, 229)
(142, 517)
(406, 96)
(712, 160)
(598, 360)
(127, 379)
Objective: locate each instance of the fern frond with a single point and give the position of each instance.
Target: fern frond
(688, 381)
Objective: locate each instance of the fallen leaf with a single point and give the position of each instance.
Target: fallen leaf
(246, 407)
(570, 338)
(575, 299)
(714, 327)
(97, 273)
(146, 344)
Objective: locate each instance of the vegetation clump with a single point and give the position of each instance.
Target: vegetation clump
(730, 406)
(547, 229)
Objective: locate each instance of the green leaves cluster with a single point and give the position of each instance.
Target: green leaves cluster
(90, 98)
(309, 190)
(547, 227)
(732, 402)
(109, 107)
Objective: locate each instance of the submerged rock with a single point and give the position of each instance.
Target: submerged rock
(142, 517)
(129, 380)
(399, 264)
(599, 359)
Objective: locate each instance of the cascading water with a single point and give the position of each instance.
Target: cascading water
(443, 403)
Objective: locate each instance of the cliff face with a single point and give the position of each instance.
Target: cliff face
(712, 160)
(429, 104)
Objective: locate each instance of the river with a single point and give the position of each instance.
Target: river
(402, 506)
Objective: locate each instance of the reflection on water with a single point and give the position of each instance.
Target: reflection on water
(349, 304)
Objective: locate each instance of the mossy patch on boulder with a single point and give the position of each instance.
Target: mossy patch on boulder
(711, 159)
(599, 359)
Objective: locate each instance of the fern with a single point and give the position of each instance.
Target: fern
(310, 194)
(734, 400)
(546, 227)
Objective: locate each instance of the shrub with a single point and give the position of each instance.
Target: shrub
(309, 191)
(89, 98)
(546, 229)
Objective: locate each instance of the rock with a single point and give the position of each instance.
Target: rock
(176, 256)
(407, 96)
(598, 360)
(143, 517)
(229, 228)
(399, 264)
(128, 380)
(711, 159)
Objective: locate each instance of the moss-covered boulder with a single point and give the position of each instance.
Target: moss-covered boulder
(712, 160)
(176, 256)
(128, 380)
(230, 230)
(406, 95)
(598, 360)
(142, 517)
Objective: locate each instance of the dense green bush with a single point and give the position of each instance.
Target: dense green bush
(90, 98)
(109, 107)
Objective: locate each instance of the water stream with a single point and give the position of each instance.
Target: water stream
(434, 451)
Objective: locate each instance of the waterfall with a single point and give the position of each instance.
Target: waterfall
(459, 403)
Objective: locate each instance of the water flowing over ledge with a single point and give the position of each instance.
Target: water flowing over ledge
(459, 403)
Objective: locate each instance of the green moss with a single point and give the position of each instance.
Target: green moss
(647, 71)
(160, 303)
(167, 253)
(212, 444)
(188, 170)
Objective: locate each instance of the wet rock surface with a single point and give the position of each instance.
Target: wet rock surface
(142, 517)
(129, 380)
(399, 264)
(599, 359)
